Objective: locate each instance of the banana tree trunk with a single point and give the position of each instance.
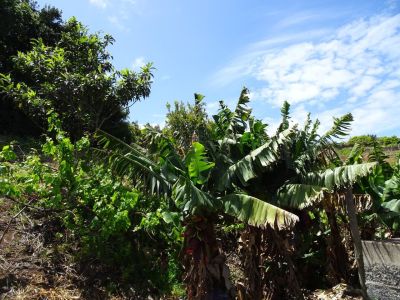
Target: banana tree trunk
(206, 274)
(250, 243)
(261, 248)
(337, 255)
(355, 233)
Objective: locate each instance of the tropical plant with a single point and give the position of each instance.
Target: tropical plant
(194, 185)
(325, 186)
(293, 167)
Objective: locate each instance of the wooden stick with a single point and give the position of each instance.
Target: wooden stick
(12, 219)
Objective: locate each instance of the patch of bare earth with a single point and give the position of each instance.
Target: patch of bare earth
(34, 264)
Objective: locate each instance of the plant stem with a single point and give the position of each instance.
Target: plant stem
(355, 233)
(12, 219)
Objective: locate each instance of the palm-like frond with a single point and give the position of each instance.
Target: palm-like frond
(131, 160)
(285, 113)
(222, 119)
(341, 128)
(339, 177)
(298, 195)
(192, 200)
(355, 155)
(315, 185)
(257, 212)
(197, 163)
(241, 114)
(320, 148)
(260, 159)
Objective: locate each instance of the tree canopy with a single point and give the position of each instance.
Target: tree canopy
(68, 70)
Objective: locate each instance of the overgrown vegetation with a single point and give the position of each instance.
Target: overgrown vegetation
(371, 140)
(206, 208)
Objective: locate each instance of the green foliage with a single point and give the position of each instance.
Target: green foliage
(7, 154)
(197, 163)
(81, 86)
(187, 123)
(370, 140)
(256, 212)
(73, 75)
(262, 158)
(241, 114)
(390, 198)
(111, 220)
(21, 21)
(340, 128)
(285, 117)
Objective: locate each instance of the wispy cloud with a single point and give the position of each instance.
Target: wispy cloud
(353, 61)
(245, 64)
(138, 63)
(355, 69)
(305, 17)
(118, 21)
(99, 3)
(118, 11)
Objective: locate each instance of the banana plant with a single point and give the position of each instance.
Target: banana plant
(293, 169)
(188, 181)
(322, 186)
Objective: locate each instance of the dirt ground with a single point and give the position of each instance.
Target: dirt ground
(34, 264)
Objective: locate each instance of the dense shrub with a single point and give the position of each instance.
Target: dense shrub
(106, 215)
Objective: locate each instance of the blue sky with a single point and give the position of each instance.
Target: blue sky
(324, 57)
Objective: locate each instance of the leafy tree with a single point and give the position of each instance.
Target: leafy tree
(75, 78)
(326, 184)
(21, 21)
(111, 221)
(185, 123)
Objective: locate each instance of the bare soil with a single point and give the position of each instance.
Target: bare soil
(36, 264)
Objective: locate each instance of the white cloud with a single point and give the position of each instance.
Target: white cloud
(245, 64)
(119, 11)
(99, 3)
(138, 63)
(355, 69)
(364, 85)
(299, 18)
(118, 22)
